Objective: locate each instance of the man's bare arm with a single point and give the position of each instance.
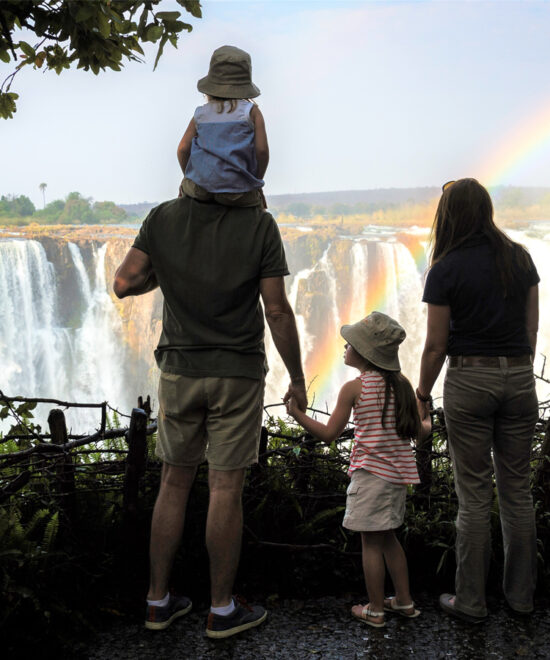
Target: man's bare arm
(135, 275)
(282, 325)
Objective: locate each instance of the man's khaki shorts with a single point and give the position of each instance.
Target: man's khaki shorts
(217, 419)
(373, 504)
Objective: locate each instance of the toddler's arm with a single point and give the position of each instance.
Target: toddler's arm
(184, 147)
(260, 141)
(337, 421)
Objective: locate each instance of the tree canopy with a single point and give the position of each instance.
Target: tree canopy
(97, 35)
(73, 210)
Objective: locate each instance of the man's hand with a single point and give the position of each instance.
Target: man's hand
(296, 397)
(423, 409)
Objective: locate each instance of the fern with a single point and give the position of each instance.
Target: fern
(50, 532)
(35, 521)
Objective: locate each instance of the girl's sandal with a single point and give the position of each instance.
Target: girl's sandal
(390, 605)
(363, 613)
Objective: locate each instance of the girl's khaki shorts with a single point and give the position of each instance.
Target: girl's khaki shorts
(373, 504)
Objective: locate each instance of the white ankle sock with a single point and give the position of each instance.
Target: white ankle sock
(225, 610)
(160, 603)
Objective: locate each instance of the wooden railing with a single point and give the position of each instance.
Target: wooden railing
(53, 453)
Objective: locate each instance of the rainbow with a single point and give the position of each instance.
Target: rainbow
(324, 365)
(527, 142)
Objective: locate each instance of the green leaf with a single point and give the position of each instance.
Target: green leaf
(104, 25)
(177, 26)
(192, 6)
(7, 104)
(153, 32)
(160, 50)
(4, 55)
(27, 49)
(85, 11)
(168, 15)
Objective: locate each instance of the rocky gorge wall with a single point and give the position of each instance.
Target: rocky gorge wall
(63, 333)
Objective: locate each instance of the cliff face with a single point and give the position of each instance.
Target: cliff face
(335, 278)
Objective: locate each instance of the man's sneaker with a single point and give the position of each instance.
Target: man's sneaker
(159, 618)
(243, 617)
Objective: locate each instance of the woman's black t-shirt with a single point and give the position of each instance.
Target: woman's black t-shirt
(483, 321)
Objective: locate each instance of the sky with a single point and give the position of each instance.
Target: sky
(355, 95)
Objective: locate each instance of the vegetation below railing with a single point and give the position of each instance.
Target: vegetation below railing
(75, 514)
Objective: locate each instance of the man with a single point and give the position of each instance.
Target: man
(212, 263)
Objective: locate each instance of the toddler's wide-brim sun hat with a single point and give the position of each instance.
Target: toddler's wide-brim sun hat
(376, 338)
(229, 75)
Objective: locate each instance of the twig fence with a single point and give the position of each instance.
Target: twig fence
(54, 454)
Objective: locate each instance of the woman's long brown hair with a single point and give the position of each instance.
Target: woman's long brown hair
(407, 420)
(466, 210)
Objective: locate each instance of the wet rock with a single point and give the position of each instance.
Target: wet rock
(323, 628)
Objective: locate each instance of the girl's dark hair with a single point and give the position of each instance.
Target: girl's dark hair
(407, 420)
(232, 102)
(465, 210)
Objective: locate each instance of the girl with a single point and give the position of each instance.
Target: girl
(382, 462)
(224, 152)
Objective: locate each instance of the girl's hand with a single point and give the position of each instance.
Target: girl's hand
(423, 409)
(290, 405)
(425, 428)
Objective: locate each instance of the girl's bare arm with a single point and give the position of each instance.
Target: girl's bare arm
(339, 418)
(260, 141)
(184, 147)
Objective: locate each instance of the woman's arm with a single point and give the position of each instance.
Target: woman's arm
(260, 141)
(532, 316)
(184, 147)
(435, 349)
(337, 421)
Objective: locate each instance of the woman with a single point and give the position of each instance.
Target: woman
(482, 297)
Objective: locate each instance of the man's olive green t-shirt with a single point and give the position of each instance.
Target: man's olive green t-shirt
(209, 260)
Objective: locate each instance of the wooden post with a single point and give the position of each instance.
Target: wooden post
(424, 450)
(135, 461)
(64, 467)
(145, 405)
(262, 459)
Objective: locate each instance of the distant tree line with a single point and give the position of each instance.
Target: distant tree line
(305, 210)
(73, 210)
(504, 197)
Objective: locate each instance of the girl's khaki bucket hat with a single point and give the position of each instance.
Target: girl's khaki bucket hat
(229, 75)
(376, 338)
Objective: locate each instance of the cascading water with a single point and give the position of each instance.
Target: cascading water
(78, 346)
(353, 277)
(28, 337)
(40, 357)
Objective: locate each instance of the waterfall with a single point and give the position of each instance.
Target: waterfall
(61, 335)
(41, 357)
(28, 338)
(359, 265)
(97, 354)
(536, 241)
